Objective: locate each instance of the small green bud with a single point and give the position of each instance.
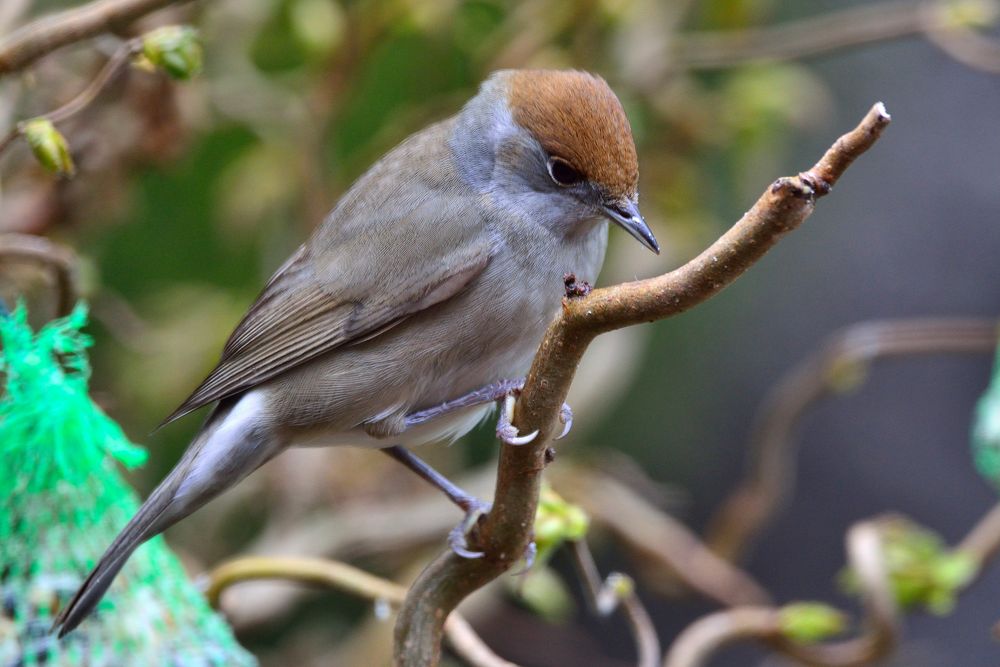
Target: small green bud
(175, 49)
(557, 521)
(811, 622)
(48, 145)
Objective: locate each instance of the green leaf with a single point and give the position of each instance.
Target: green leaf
(48, 145)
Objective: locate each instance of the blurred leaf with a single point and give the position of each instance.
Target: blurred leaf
(544, 593)
(48, 146)
(986, 429)
(318, 24)
(261, 181)
(811, 622)
(923, 571)
(556, 522)
(175, 49)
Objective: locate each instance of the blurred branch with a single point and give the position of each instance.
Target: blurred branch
(115, 65)
(839, 365)
(695, 645)
(657, 536)
(617, 591)
(853, 27)
(868, 563)
(60, 259)
(505, 532)
(29, 43)
(461, 636)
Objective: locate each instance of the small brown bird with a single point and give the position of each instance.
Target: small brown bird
(428, 286)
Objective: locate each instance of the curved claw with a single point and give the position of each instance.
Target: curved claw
(566, 417)
(530, 552)
(456, 538)
(511, 438)
(506, 431)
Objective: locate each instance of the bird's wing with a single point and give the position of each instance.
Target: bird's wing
(351, 283)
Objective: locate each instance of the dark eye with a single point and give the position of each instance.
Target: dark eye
(563, 173)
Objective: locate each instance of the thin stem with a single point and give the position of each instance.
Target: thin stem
(115, 66)
(647, 643)
(29, 43)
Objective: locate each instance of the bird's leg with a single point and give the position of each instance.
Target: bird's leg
(473, 507)
(504, 392)
(488, 394)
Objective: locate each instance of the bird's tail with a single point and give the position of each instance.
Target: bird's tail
(151, 519)
(230, 446)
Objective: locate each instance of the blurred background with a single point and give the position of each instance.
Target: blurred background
(188, 195)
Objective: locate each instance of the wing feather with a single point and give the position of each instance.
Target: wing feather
(351, 292)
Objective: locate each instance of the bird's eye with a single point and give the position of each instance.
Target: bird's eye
(563, 173)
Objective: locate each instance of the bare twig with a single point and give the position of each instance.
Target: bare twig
(115, 65)
(657, 536)
(60, 259)
(843, 358)
(647, 643)
(29, 43)
(505, 532)
(842, 29)
(461, 636)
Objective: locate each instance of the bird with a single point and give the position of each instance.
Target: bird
(417, 302)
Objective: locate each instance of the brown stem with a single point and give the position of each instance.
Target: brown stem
(696, 644)
(115, 65)
(60, 259)
(462, 638)
(29, 43)
(657, 536)
(505, 532)
(845, 356)
(853, 27)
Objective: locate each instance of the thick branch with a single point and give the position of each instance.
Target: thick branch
(26, 45)
(505, 532)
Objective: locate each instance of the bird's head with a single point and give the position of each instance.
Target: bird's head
(564, 134)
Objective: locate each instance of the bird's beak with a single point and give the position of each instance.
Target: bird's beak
(625, 213)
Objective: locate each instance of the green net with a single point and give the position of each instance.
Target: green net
(986, 429)
(65, 500)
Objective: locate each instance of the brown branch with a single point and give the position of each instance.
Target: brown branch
(60, 259)
(864, 547)
(644, 635)
(843, 358)
(657, 536)
(461, 636)
(505, 532)
(29, 43)
(695, 645)
(115, 66)
(843, 29)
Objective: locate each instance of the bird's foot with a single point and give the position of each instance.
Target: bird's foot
(506, 431)
(458, 537)
(509, 434)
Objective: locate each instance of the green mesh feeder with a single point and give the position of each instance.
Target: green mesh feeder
(65, 500)
(986, 429)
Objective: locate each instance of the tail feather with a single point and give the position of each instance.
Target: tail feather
(147, 522)
(224, 452)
